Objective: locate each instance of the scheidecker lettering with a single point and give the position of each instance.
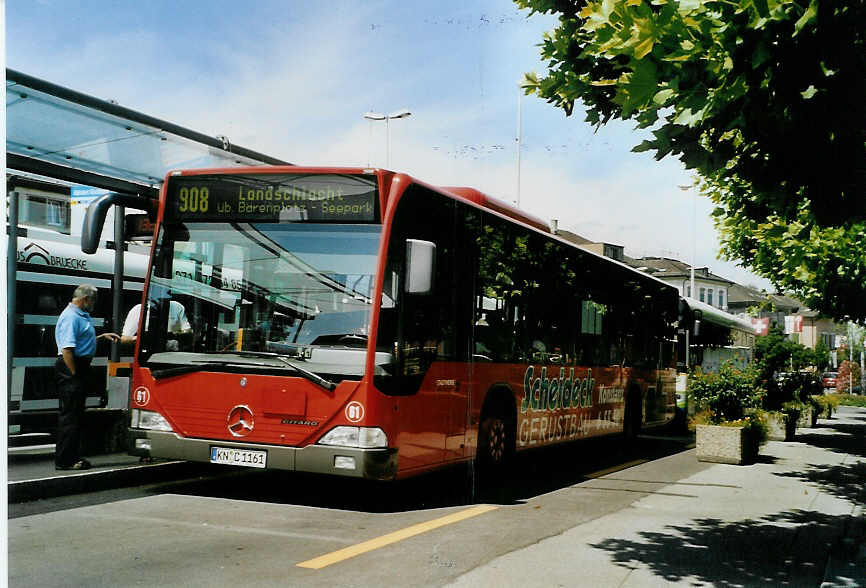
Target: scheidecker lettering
(558, 408)
(544, 393)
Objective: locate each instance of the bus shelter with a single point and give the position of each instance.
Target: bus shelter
(58, 135)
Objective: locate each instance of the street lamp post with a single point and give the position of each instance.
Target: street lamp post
(850, 358)
(387, 118)
(692, 294)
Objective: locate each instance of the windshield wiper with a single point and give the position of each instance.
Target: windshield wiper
(186, 369)
(313, 377)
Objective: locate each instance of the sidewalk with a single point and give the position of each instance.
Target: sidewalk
(794, 518)
(32, 476)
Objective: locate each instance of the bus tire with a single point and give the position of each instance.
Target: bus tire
(496, 446)
(493, 442)
(633, 417)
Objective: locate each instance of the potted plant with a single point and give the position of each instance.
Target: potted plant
(795, 412)
(729, 428)
(789, 403)
(829, 404)
(807, 385)
(782, 424)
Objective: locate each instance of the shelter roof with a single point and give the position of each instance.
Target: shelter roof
(60, 133)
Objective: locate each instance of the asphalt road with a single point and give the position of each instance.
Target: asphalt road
(272, 528)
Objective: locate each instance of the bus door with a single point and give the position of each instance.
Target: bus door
(432, 330)
(435, 335)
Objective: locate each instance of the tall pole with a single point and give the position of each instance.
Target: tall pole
(388, 142)
(369, 141)
(519, 122)
(371, 116)
(11, 269)
(850, 359)
(693, 294)
(117, 285)
(694, 243)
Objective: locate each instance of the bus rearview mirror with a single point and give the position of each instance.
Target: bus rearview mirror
(420, 261)
(94, 218)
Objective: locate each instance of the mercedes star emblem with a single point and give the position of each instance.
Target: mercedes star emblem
(240, 421)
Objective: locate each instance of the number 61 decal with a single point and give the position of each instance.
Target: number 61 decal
(354, 411)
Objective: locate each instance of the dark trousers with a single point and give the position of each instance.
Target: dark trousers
(72, 390)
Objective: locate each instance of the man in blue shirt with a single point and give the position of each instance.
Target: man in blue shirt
(76, 343)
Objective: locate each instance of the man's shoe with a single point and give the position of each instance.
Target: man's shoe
(81, 464)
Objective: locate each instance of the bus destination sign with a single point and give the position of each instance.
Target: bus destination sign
(273, 198)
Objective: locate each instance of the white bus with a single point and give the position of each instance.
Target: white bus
(49, 267)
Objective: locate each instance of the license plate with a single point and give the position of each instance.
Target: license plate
(240, 457)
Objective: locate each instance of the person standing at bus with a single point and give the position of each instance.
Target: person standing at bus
(178, 324)
(76, 343)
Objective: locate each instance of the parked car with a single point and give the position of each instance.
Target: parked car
(830, 379)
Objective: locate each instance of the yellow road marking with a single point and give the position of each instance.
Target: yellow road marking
(617, 468)
(342, 554)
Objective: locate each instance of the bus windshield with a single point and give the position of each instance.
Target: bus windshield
(280, 288)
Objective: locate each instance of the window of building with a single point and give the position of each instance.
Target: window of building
(710, 296)
(721, 298)
(689, 290)
(703, 296)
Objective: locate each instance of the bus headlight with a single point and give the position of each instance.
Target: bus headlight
(361, 437)
(147, 419)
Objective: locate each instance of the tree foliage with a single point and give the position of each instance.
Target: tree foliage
(820, 356)
(764, 99)
(848, 377)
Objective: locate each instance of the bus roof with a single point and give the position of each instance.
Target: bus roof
(499, 206)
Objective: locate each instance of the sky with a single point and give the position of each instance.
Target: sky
(293, 79)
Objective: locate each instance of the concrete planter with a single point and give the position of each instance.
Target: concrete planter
(805, 420)
(780, 427)
(816, 412)
(719, 444)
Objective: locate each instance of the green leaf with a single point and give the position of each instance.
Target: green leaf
(807, 18)
(644, 47)
(808, 92)
(663, 96)
(642, 85)
(688, 118)
(644, 146)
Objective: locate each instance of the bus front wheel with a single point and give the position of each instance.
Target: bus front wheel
(496, 437)
(492, 442)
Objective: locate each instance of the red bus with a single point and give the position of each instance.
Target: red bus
(359, 322)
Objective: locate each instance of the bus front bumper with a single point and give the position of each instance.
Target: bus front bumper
(374, 464)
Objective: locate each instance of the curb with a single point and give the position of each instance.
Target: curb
(96, 480)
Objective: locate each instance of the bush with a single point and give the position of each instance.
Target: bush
(789, 387)
(725, 396)
(848, 370)
(826, 403)
(851, 400)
